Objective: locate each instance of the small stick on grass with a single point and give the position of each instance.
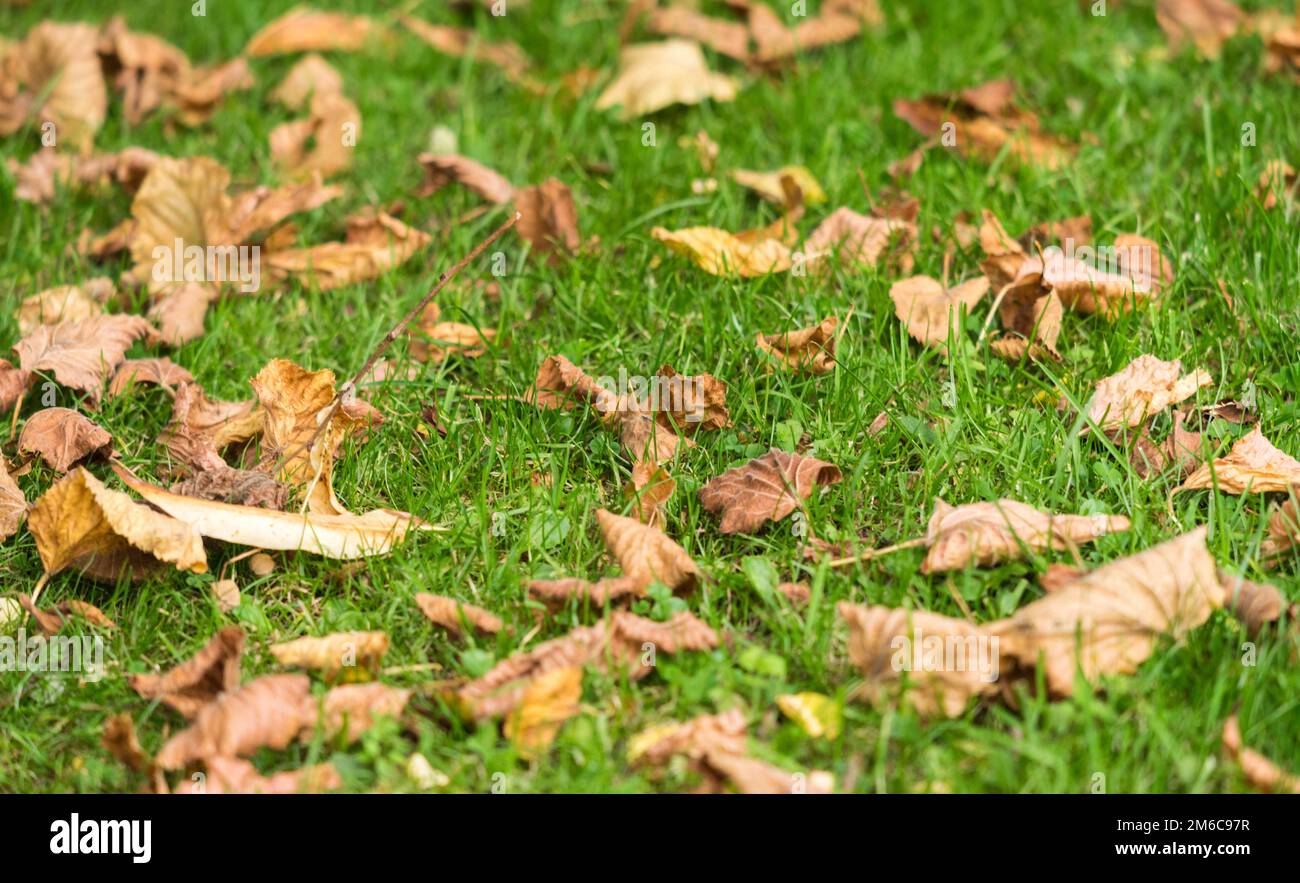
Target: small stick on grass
(876, 553)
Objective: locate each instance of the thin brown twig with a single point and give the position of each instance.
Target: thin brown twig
(876, 553)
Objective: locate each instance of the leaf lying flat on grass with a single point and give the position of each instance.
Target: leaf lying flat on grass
(440, 169)
(138, 372)
(1262, 773)
(196, 682)
(774, 186)
(346, 536)
(303, 29)
(810, 350)
(1253, 465)
(311, 75)
(79, 522)
(81, 355)
(53, 75)
(550, 700)
(66, 303)
(548, 219)
(862, 240)
(1207, 24)
(653, 76)
(988, 533)
(765, 489)
(928, 309)
(52, 621)
(449, 613)
(63, 437)
(1145, 387)
(334, 653)
(320, 143)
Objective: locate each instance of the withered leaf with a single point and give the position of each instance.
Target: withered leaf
(1283, 530)
(63, 437)
(303, 29)
(67, 303)
(333, 653)
(649, 488)
(350, 710)
(653, 76)
(194, 683)
(549, 701)
(375, 243)
(52, 620)
(548, 218)
(162, 372)
(13, 505)
(450, 613)
(987, 533)
(233, 775)
(1255, 604)
(54, 76)
(46, 170)
(433, 340)
(466, 43)
(809, 349)
(729, 38)
(721, 253)
(120, 740)
(773, 186)
(1253, 465)
(860, 239)
(82, 355)
(201, 427)
(321, 143)
(1262, 773)
(269, 711)
(312, 75)
(442, 169)
(1207, 24)
(765, 489)
(928, 309)
(79, 522)
(1144, 388)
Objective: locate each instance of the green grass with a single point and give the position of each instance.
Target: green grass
(1161, 156)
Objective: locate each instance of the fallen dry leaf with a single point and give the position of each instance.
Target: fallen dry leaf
(433, 340)
(1109, 620)
(765, 489)
(928, 309)
(450, 614)
(1207, 24)
(199, 680)
(809, 349)
(63, 437)
(653, 76)
(226, 594)
(334, 653)
(232, 775)
(13, 505)
(350, 710)
(861, 239)
(648, 490)
(160, 372)
(67, 303)
(1252, 466)
(549, 701)
(79, 522)
(333, 536)
(1262, 773)
(774, 186)
(267, 712)
(303, 29)
(200, 427)
(52, 620)
(81, 355)
(312, 75)
(548, 219)
(323, 142)
(1255, 604)
(442, 169)
(53, 78)
(721, 253)
(120, 740)
(1283, 530)
(817, 714)
(988, 533)
(1144, 388)
(729, 38)
(375, 243)
(466, 43)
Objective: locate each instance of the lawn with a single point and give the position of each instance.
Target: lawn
(517, 488)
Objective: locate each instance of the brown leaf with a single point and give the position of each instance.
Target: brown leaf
(120, 740)
(1144, 388)
(548, 218)
(1057, 576)
(54, 76)
(302, 29)
(1252, 466)
(1255, 604)
(765, 489)
(81, 355)
(729, 38)
(13, 505)
(466, 43)
(561, 384)
(180, 311)
(63, 437)
(988, 533)
(549, 701)
(200, 679)
(323, 142)
(81, 523)
(14, 383)
(437, 340)
(1207, 24)
(653, 76)
(47, 170)
(721, 253)
(1109, 621)
(375, 243)
(442, 169)
(1262, 773)
(200, 427)
(226, 594)
(67, 303)
(616, 643)
(1180, 450)
(350, 710)
(51, 621)
(928, 309)
(267, 712)
(650, 487)
(197, 94)
(775, 186)
(311, 75)
(810, 349)
(162, 372)
(1283, 530)
(860, 239)
(795, 593)
(885, 643)
(688, 403)
(1278, 180)
(448, 613)
(333, 653)
(231, 775)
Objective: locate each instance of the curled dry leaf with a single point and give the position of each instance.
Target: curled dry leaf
(51, 621)
(433, 340)
(1262, 773)
(622, 642)
(988, 533)
(67, 303)
(441, 169)
(561, 384)
(303, 29)
(775, 42)
(774, 186)
(333, 536)
(350, 710)
(199, 680)
(649, 489)
(729, 38)
(1180, 450)
(312, 75)
(1255, 604)
(810, 350)
(54, 76)
(893, 646)
(120, 740)
(1109, 620)
(1207, 24)
(862, 240)
(161, 372)
(452, 614)
(14, 383)
(549, 701)
(226, 594)
(321, 143)
(232, 775)
(548, 218)
(201, 427)
(1253, 465)
(1283, 530)
(985, 121)
(1278, 180)
(796, 593)
(765, 489)
(928, 309)
(653, 76)
(79, 522)
(81, 355)
(333, 653)
(466, 43)
(1145, 387)
(688, 403)
(13, 505)
(752, 253)
(375, 243)
(63, 437)
(47, 170)
(268, 712)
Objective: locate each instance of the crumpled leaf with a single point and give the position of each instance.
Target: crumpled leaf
(1179, 450)
(52, 621)
(303, 29)
(1277, 183)
(1262, 773)
(702, 404)
(375, 243)
(562, 384)
(548, 218)
(752, 253)
(810, 350)
(1283, 530)
(197, 95)
(433, 340)
(81, 355)
(765, 489)
(160, 372)
(653, 76)
(66, 303)
(775, 42)
(346, 536)
(1144, 388)
(862, 240)
(334, 653)
(646, 555)
(442, 169)
(729, 38)
(984, 121)
(13, 505)
(200, 427)
(350, 710)
(773, 186)
(47, 170)
(1207, 24)
(622, 642)
(928, 309)
(467, 43)
(232, 775)
(449, 613)
(199, 680)
(1255, 604)
(120, 740)
(1110, 620)
(269, 712)
(1253, 465)
(54, 76)
(311, 75)
(988, 533)
(549, 701)
(63, 437)
(889, 646)
(650, 487)
(324, 142)
(79, 522)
